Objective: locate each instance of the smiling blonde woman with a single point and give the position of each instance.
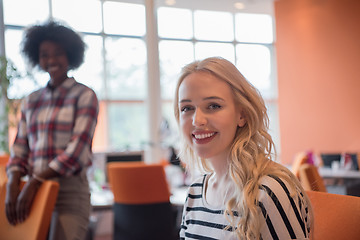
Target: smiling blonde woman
(243, 193)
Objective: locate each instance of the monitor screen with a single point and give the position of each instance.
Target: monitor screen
(328, 158)
(124, 157)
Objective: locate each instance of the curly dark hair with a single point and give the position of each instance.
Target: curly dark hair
(53, 31)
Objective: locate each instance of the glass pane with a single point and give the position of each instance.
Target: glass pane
(175, 23)
(253, 28)
(24, 13)
(127, 125)
(170, 137)
(205, 50)
(24, 85)
(274, 128)
(126, 68)
(90, 72)
(216, 26)
(173, 56)
(82, 15)
(124, 18)
(254, 63)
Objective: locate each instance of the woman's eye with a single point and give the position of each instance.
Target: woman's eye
(214, 106)
(185, 109)
(43, 55)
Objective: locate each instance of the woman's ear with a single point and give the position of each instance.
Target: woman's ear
(242, 120)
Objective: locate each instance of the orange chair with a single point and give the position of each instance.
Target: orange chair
(3, 161)
(335, 216)
(36, 226)
(142, 206)
(310, 178)
(300, 159)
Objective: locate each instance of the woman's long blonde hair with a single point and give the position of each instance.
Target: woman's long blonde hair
(250, 155)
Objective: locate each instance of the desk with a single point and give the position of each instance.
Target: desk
(102, 215)
(104, 199)
(341, 181)
(339, 173)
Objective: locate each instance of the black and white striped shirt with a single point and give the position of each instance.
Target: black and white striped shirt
(282, 217)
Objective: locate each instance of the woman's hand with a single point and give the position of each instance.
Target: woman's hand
(12, 192)
(25, 199)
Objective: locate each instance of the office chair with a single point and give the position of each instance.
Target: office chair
(36, 226)
(310, 178)
(300, 159)
(335, 216)
(3, 161)
(142, 208)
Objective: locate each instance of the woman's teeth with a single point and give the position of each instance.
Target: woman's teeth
(202, 136)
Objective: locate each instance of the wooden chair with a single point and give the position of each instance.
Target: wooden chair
(310, 178)
(3, 161)
(300, 159)
(142, 208)
(36, 226)
(335, 216)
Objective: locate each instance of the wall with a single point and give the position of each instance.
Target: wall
(318, 57)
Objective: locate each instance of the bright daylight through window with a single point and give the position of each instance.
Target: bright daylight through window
(116, 57)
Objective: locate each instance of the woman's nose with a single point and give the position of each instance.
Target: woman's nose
(199, 118)
(52, 59)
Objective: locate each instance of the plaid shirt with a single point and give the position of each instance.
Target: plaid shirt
(56, 130)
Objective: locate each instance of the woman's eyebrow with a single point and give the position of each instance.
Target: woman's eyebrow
(184, 100)
(205, 99)
(214, 98)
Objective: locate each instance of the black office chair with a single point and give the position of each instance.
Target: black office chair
(142, 208)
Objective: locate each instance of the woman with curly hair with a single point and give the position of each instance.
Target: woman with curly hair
(55, 133)
(243, 194)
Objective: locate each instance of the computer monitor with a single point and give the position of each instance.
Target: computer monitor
(128, 156)
(98, 172)
(136, 156)
(328, 158)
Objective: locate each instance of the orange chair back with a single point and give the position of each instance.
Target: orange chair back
(335, 216)
(3, 176)
(138, 183)
(300, 159)
(310, 178)
(4, 159)
(36, 226)
(3, 162)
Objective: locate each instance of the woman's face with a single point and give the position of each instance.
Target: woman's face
(53, 60)
(208, 115)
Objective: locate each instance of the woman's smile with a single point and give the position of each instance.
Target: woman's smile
(209, 117)
(203, 137)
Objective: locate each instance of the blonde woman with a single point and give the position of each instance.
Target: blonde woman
(243, 193)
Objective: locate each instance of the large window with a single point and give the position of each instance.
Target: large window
(242, 38)
(116, 58)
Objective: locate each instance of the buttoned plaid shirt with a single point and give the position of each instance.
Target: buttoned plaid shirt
(56, 130)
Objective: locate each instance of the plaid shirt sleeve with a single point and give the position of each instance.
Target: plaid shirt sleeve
(56, 130)
(78, 151)
(20, 149)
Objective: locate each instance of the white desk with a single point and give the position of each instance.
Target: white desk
(341, 181)
(104, 199)
(339, 173)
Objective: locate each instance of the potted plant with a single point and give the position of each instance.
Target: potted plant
(8, 107)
